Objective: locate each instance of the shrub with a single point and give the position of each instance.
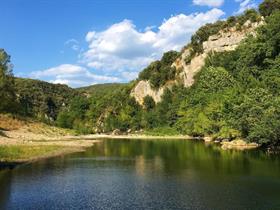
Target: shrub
(268, 7)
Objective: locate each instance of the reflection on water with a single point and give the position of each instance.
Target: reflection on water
(123, 174)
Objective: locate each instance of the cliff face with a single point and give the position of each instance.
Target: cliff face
(143, 88)
(225, 40)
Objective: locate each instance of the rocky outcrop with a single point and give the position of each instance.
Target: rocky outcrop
(225, 40)
(143, 89)
(238, 145)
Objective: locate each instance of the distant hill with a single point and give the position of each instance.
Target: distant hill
(42, 99)
(100, 89)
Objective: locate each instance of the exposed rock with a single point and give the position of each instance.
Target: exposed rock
(208, 139)
(230, 39)
(225, 40)
(239, 145)
(190, 70)
(116, 132)
(143, 89)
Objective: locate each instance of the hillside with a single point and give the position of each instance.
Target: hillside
(41, 99)
(100, 89)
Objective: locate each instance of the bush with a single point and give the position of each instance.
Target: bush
(214, 79)
(159, 72)
(149, 103)
(162, 131)
(268, 7)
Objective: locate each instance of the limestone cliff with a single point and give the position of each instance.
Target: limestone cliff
(226, 40)
(143, 88)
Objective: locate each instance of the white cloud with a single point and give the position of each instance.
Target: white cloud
(210, 3)
(244, 5)
(72, 75)
(124, 48)
(73, 43)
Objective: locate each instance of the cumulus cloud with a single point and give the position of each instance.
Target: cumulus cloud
(124, 48)
(244, 5)
(210, 3)
(72, 75)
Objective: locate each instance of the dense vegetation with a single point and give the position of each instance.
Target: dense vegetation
(100, 89)
(159, 72)
(235, 95)
(41, 99)
(31, 98)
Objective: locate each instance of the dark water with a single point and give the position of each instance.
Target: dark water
(146, 175)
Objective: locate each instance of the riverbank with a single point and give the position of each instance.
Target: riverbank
(15, 154)
(137, 136)
(24, 141)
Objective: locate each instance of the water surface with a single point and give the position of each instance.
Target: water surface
(124, 174)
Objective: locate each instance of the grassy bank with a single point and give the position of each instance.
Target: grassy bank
(162, 131)
(22, 153)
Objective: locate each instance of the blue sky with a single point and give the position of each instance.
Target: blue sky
(83, 42)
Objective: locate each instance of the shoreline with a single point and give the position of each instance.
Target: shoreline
(17, 151)
(11, 164)
(137, 136)
(68, 144)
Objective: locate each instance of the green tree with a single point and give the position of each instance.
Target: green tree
(7, 93)
(149, 103)
(268, 7)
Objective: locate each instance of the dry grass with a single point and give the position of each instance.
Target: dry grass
(27, 126)
(8, 122)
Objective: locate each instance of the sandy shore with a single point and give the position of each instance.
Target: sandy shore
(65, 141)
(46, 140)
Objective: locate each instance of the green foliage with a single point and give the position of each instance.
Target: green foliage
(214, 79)
(149, 103)
(227, 133)
(241, 98)
(42, 100)
(162, 131)
(268, 7)
(73, 116)
(21, 152)
(7, 92)
(159, 72)
(101, 89)
(64, 120)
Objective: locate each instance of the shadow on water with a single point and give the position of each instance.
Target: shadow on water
(5, 186)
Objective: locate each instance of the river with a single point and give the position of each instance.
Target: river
(137, 174)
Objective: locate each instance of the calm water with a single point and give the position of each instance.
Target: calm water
(146, 175)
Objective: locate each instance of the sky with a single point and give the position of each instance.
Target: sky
(85, 42)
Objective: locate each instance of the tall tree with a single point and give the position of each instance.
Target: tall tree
(7, 93)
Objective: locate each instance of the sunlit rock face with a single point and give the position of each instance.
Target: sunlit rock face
(225, 40)
(143, 89)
